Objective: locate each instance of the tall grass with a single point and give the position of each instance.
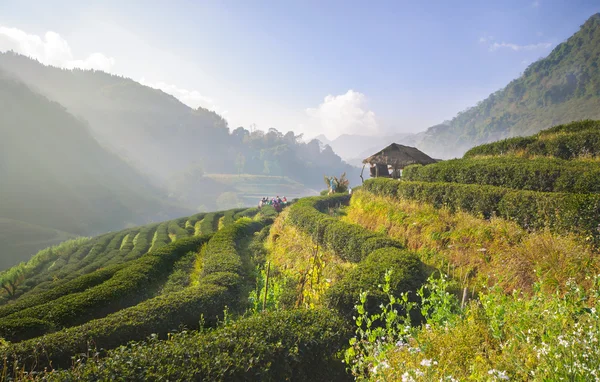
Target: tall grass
(475, 250)
(299, 262)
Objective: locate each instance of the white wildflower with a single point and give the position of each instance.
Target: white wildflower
(426, 362)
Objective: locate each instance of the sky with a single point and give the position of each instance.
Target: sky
(312, 66)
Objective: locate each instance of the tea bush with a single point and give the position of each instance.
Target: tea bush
(209, 223)
(408, 275)
(560, 212)
(298, 345)
(78, 284)
(159, 315)
(349, 241)
(569, 141)
(219, 286)
(127, 287)
(539, 174)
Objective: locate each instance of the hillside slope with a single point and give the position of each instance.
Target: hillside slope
(162, 136)
(261, 295)
(563, 87)
(55, 175)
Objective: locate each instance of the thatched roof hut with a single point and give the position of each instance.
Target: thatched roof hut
(396, 157)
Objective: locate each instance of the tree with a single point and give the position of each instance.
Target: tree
(240, 163)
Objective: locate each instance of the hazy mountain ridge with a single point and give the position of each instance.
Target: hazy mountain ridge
(56, 175)
(162, 136)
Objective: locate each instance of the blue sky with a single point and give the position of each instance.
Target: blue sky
(310, 66)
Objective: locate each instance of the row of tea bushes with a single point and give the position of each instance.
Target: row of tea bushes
(539, 174)
(560, 212)
(128, 286)
(569, 141)
(350, 242)
(299, 345)
(76, 285)
(218, 287)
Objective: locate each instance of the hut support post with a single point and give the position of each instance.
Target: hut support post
(361, 174)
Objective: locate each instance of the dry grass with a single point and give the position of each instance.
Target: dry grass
(475, 250)
(297, 257)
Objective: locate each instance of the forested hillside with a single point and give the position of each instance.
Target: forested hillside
(483, 268)
(563, 87)
(164, 137)
(57, 180)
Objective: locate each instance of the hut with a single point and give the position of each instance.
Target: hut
(390, 161)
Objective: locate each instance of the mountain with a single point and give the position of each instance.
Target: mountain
(58, 180)
(163, 137)
(353, 148)
(563, 87)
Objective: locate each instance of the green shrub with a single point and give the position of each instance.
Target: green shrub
(298, 345)
(210, 223)
(78, 284)
(539, 174)
(11, 330)
(221, 254)
(127, 287)
(160, 315)
(576, 139)
(175, 228)
(247, 213)
(560, 212)
(220, 285)
(408, 275)
(161, 236)
(349, 241)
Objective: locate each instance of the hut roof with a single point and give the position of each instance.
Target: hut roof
(399, 156)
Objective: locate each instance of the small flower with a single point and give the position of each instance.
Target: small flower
(426, 362)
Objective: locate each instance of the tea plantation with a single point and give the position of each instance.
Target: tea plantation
(482, 268)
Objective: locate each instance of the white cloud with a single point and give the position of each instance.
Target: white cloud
(343, 114)
(192, 98)
(486, 38)
(52, 49)
(504, 45)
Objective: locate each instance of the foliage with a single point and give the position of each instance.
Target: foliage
(546, 336)
(376, 333)
(475, 251)
(349, 241)
(296, 344)
(539, 174)
(128, 286)
(408, 275)
(560, 212)
(267, 295)
(76, 285)
(210, 222)
(161, 315)
(341, 184)
(306, 268)
(569, 141)
(12, 278)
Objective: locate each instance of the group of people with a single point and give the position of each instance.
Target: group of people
(276, 202)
